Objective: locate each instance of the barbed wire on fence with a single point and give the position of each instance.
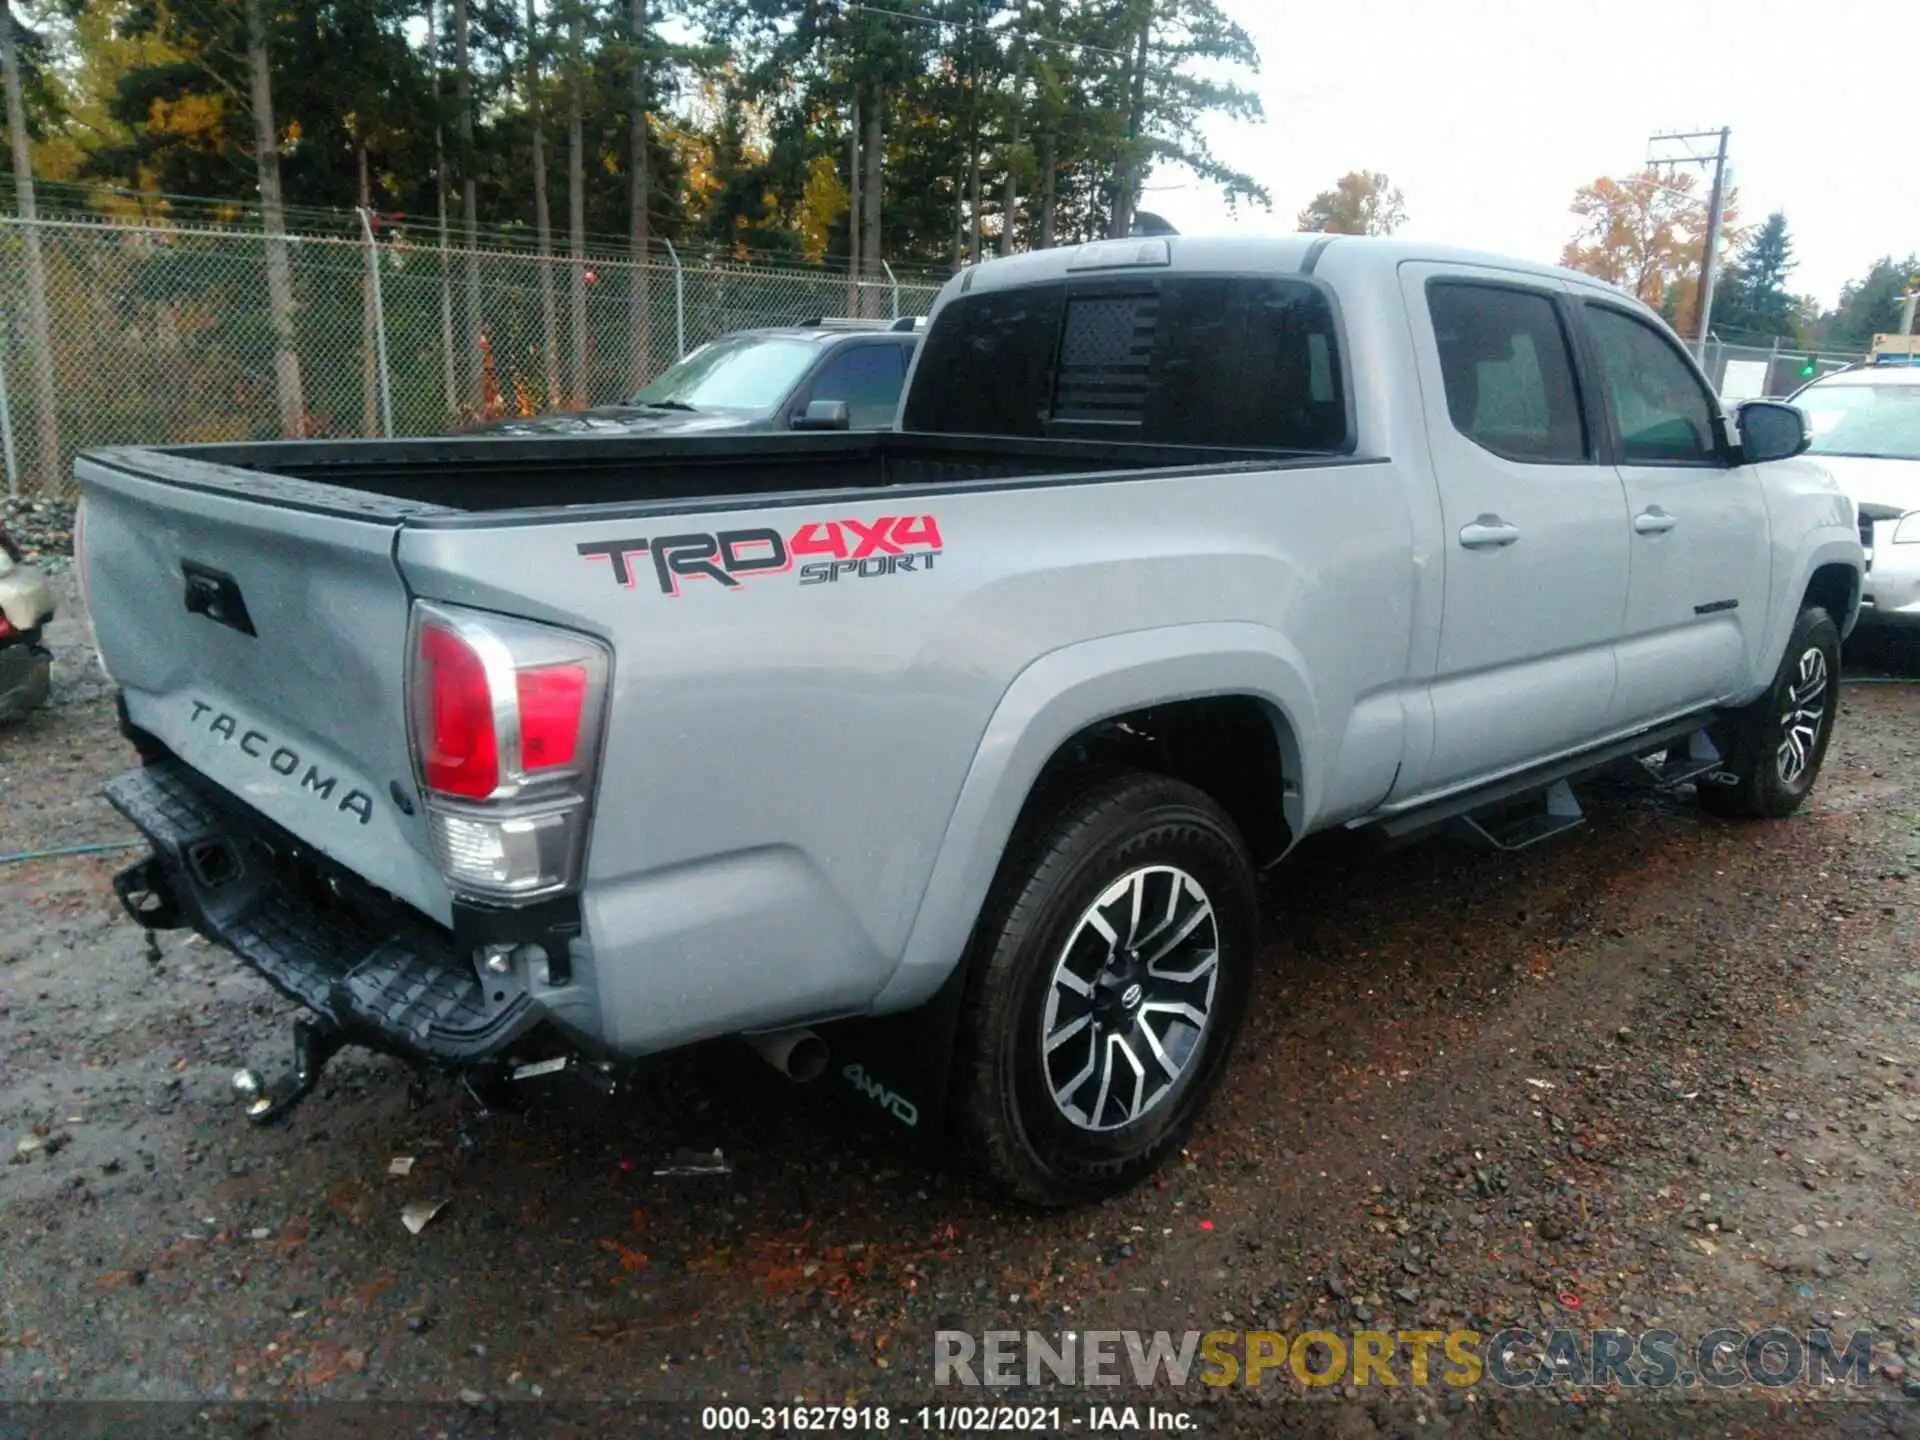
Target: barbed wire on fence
(93, 203)
(115, 331)
(163, 334)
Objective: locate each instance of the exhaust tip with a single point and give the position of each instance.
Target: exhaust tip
(807, 1060)
(800, 1055)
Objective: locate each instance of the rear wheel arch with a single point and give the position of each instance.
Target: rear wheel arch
(1082, 706)
(1238, 749)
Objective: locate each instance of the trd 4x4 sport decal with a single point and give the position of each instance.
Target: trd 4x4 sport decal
(854, 550)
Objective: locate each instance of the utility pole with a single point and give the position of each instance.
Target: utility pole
(1682, 148)
(46, 416)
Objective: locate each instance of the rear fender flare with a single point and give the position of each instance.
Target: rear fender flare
(1053, 699)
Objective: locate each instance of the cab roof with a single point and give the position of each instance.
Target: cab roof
(827, 329)
(1261, 254)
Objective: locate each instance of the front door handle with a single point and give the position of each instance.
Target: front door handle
(1488, 532)
(1654, 521)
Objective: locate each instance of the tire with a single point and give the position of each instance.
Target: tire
(1041, 967)
(1775, 746)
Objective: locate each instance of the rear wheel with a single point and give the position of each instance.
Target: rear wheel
(1108, 981)
(1775, 746)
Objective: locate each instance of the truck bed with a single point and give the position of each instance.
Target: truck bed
(446, 476)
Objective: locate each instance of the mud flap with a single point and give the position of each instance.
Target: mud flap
(901, 1065)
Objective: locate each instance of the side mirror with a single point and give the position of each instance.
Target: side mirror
(1771, 431)
(823, 415)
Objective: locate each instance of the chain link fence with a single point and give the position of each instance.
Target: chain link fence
(1770, 371)
(116, 334)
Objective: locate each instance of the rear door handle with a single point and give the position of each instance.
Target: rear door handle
(1654, 521)
(1488, 532)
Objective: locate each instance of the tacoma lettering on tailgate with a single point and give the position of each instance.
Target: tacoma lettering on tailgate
(281, 759)
(855, 550)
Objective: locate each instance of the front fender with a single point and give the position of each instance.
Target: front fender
(1827, 545)
(1053, 699)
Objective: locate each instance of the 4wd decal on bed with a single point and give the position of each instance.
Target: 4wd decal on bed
(852, 550)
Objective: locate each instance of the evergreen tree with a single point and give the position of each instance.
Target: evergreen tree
(1753, 301)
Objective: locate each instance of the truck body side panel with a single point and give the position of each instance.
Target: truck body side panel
(788, 750)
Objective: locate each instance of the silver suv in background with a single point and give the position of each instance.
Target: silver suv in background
(1865, 426)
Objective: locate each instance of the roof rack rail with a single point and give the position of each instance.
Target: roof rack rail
(843, 322)
(908, 323)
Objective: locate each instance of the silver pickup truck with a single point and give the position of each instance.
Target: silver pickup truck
(944, 759)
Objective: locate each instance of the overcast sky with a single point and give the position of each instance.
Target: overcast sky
(1488, 114)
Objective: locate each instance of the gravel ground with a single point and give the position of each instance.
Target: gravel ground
(1663, 1072)
(43, 528)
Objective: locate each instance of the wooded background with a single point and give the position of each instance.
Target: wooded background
(541, 177)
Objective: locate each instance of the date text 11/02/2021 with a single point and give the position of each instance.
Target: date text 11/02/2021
(943, 1419)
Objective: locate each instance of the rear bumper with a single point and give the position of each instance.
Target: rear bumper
(383, 976)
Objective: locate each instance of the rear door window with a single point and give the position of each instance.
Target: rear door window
(1508, 370)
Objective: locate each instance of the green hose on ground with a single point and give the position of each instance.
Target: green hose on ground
(65, 850)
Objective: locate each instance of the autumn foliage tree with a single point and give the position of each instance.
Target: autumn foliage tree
(1644, 232)
(1361, 202)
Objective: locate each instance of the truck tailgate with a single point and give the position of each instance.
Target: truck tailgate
(266, 646)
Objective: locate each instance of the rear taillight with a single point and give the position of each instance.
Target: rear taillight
(459, 752)
(506, 721)
(551, 702)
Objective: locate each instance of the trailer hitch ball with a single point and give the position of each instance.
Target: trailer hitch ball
(252, 1091)
(314, 1044)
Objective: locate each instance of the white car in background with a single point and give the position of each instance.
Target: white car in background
(1866, 432)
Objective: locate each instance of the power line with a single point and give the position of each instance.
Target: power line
(1710, 248)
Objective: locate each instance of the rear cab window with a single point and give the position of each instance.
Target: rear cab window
(1248, 362)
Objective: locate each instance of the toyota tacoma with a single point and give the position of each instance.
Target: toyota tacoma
(944, 758)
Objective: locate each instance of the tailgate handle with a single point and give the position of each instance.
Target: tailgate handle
(217, 596)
